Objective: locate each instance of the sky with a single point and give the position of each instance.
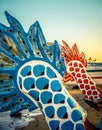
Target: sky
(75, 21)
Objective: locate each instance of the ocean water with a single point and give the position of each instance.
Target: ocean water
(94, 66)
(98, 72)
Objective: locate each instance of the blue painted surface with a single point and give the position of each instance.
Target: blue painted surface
(42, 83)
(68, 125)
(46, 97)
(79, 127)
(54, 125)
(71, 102)
(29, 47)
(26, 71)
(56, 86)
(38, 70)
(34, 94)
(50, 111)
(59, 98)
(32, 78)
(29, 83)
(50, 73)
(76, 115)
(62, 112)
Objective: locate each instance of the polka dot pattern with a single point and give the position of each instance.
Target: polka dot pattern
(43, 85)
(87, 86)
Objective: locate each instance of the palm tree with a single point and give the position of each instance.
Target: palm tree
(90, 59)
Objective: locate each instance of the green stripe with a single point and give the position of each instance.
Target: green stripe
(94, 70)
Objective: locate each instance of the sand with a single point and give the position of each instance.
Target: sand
(39, 122)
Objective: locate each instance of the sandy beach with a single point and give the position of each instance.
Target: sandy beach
(39, 122)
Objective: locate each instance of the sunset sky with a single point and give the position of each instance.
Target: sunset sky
(75, 21)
